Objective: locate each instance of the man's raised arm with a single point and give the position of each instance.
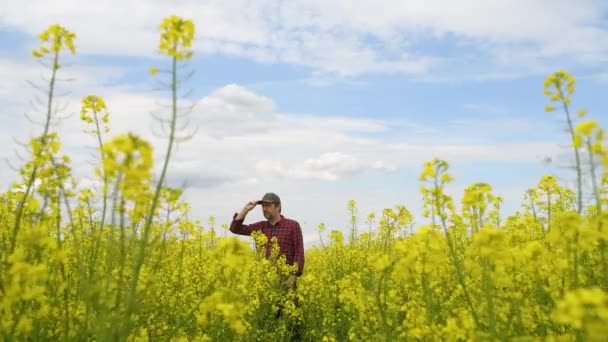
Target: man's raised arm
(237, 226)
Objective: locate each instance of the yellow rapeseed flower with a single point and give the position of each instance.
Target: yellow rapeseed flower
(581, 112)
(95, 105)
(176, 37)
(54, 39)
(586, 127)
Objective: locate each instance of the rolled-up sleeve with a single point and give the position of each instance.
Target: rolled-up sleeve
(239, 228)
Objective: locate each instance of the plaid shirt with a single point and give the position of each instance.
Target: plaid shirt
(287, 232)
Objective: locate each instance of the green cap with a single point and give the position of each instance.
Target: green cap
(270, 197)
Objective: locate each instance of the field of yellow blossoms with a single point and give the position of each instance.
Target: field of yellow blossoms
(124, 262)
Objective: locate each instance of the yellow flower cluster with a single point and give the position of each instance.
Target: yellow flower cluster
(95, 105)
(176, 37)
(67, 273)
(586, 310)
(53, 40)
(538, 273)
(558, 87)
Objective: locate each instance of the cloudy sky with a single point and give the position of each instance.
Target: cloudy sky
(319, 101)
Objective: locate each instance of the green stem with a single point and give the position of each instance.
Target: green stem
(45, 204)
(487, 289)
(579, 177)
(181, 261)
(122, 255)
(63, 192)
(455, 261)
(147, 227)
(533, 208)
(33, 174)
(105, 175)
(548, 210)
(596, 191)
(381, 304)
(427, 298)
(66, 310)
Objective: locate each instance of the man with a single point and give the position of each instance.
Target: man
(287, 232)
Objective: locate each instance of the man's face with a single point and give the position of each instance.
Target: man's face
(271, 210)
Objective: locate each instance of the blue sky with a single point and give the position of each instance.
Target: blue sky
(323, 101)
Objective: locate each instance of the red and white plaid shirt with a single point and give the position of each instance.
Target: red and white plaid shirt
(287, 232)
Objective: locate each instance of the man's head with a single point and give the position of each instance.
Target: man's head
(271, 205)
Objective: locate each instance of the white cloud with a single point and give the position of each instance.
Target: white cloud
(246, 146)
(335, 162)
(334, 123)
(242, 137)
(505, 38)
(335, 165)
(237, 126)
(328, 166)
(234, 110)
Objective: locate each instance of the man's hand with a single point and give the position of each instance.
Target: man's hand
(290, 282)
(246, 209)
(250, 205)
